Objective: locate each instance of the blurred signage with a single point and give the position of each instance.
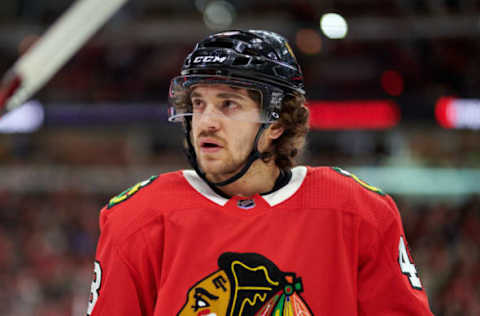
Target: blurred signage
(452, 112)
(367, 114)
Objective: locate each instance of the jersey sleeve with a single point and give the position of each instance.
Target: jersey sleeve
(123, 278)
(388, 282)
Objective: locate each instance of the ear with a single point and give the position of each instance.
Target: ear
(275, 130)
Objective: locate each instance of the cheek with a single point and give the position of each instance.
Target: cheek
(244, 136)
(193, 126)
(193, 132)
(250, 139)
(219, 307)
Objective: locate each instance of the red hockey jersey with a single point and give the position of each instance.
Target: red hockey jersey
(326, 243)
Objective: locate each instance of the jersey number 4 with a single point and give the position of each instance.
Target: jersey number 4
(406, 266)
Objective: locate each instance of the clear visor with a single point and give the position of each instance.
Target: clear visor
(184, 103)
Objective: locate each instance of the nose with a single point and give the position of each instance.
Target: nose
(209, 119)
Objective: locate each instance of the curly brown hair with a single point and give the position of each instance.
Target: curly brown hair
(294, 120)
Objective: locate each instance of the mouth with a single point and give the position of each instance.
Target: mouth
(210, 146)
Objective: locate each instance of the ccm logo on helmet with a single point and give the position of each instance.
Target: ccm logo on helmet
(209, 59)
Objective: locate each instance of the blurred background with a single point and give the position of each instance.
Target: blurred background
(394, 91)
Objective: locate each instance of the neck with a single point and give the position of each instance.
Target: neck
(260, 177)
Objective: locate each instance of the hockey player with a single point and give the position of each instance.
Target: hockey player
(246, 232)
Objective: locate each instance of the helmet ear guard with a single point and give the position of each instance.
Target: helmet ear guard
(253, 59)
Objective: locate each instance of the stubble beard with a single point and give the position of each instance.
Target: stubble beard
(225, 168)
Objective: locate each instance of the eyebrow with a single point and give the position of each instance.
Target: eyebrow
(223, 95)
(201, 290)
(227, 95)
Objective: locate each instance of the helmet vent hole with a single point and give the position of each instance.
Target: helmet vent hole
(219, 44)
(251, 52)
(241, 61)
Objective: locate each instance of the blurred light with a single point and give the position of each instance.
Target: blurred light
(334, 26)
(308, 41)
(25, 119)
(392, 82)
(200, 5)
(444, 113)
(369, 114)
(218, 15)
(458, 113)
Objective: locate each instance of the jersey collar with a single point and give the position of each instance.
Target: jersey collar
(274, 198)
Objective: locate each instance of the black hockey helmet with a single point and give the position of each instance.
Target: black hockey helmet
(252, 59)
(261, 60)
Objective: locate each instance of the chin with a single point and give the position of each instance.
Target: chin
(217, 170)
(213, 167)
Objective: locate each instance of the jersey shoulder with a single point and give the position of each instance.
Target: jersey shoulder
(344, 191)
(141, 203)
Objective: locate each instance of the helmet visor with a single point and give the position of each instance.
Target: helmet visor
(182, 99)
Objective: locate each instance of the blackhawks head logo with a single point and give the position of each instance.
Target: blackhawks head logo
(246, 284)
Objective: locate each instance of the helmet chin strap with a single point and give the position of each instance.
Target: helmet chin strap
(192, 157)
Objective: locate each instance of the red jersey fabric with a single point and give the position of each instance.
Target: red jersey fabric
(324, 244)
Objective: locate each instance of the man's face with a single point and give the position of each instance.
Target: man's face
(224, 125)
(209, 297)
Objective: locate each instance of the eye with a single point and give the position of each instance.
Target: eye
(199, 303)
(197, 103)
(230, 104)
